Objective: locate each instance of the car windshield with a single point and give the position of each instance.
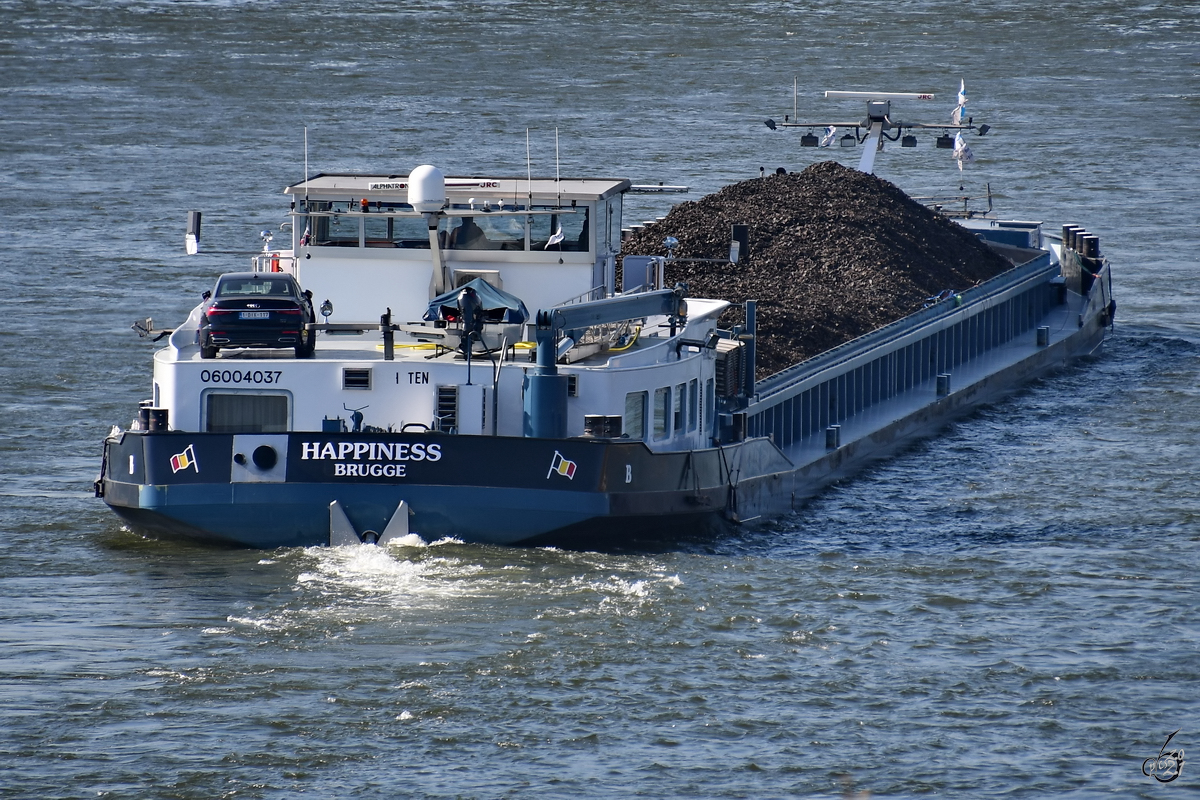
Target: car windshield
(255, 287)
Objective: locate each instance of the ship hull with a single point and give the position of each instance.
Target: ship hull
(574, 492)
(495, 490)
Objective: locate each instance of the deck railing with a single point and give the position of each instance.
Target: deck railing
(826, 390)
(274, 261)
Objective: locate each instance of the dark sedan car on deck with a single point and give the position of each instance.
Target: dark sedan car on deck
(257, 309)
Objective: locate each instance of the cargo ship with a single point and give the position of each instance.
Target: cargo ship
(479, 373)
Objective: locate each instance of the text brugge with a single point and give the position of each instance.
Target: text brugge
(370, 459)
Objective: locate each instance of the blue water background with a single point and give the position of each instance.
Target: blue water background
(1008, 609)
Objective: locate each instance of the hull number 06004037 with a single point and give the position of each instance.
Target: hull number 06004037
(241, 375)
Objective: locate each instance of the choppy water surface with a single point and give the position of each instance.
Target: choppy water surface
(1008, 609)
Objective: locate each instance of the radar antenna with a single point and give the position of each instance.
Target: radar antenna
(879, 126)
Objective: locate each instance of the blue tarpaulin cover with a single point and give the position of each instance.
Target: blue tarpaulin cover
(498, 305)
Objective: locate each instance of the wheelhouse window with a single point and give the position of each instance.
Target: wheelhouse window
(635, 415)
(554, 229)
(377, 231)
(483, 232)
(243, 412)
(335, 231)
(411, 233)
(378, 228)
(566, 231)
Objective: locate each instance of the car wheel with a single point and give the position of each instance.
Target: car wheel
(307, 344)
(207, 349)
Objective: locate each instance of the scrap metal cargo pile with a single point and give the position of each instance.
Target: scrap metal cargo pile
(834, 253)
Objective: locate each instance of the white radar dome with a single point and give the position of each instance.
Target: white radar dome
(426, 189)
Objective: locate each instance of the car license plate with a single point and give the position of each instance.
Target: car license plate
(255, 315)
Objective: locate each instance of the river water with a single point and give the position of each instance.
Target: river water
(1008, 609)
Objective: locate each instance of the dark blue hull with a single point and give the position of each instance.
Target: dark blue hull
(494, 490)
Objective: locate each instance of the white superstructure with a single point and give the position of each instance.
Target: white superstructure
(369, 246)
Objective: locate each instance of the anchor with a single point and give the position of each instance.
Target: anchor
(342, 532)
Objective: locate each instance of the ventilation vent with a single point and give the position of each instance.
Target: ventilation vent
(573, 386)
(492, 276)
(730, 368)
(356, 378)
(447, 409)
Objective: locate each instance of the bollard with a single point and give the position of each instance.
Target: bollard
(158, 419)
(1069, 232)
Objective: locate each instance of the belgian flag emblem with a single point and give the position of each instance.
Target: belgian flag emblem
(184, 460)
(562, 466)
